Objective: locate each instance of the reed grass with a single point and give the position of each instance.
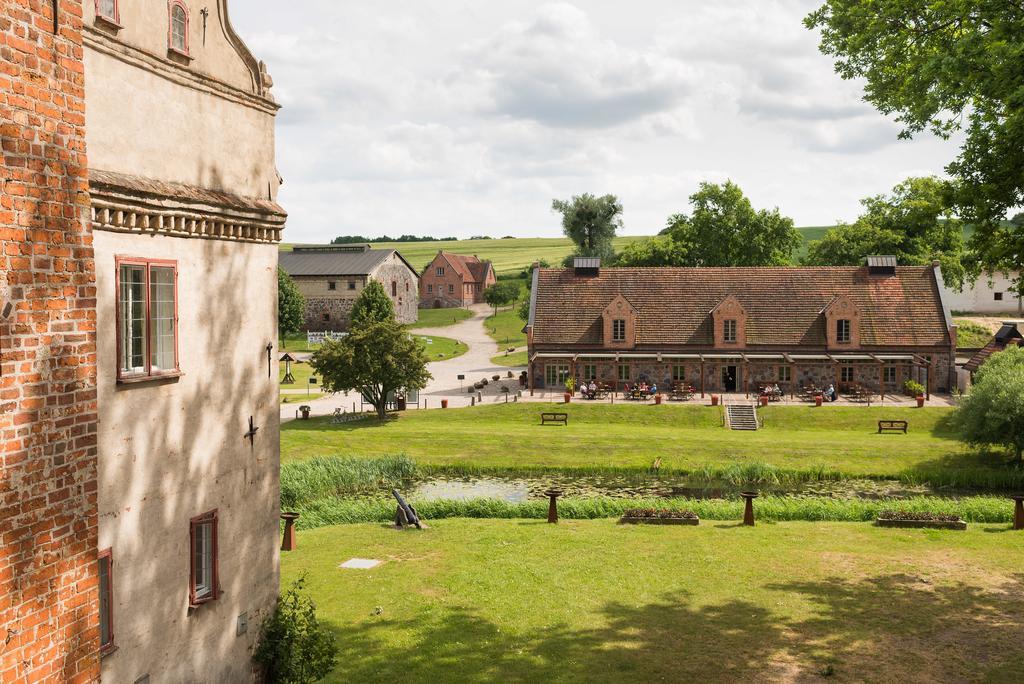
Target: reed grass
(326, 476)
(978, 509)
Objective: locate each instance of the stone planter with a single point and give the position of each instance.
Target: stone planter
(495, 378)
(922, 524)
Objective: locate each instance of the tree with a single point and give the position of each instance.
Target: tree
(500, 294)
(944, 67)
(914, 223)
(291, 305)
(378, 359)
(293, 646)
(591, 223)
(372, 306)
(992, 413)
(724, 229)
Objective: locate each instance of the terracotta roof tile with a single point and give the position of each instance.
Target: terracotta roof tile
(783, 304)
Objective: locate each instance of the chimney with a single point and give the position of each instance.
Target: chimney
(586, 267)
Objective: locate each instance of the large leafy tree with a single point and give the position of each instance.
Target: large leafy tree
(291, 305)
(372, 306)
(591, 223)
(377, 359)
(947, 66)
(502, 293)
(913, 223)
(723, 229)
(993, 412)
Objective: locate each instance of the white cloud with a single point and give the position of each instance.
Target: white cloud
(460, 117)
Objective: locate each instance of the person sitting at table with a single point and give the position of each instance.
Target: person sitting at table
(830, 393)
(592, 388)
(654, 389)
(776, 390)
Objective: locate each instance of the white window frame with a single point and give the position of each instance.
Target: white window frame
(619, 330)
(729, 328)
(844, 331)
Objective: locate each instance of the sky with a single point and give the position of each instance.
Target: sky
(463, 117)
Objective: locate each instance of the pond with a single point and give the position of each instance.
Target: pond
(516, 489)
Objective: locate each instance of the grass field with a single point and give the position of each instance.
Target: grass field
(971, 335)
(513, 255)
(593, 601)
(506, 328)
(439, 318)
(442, 348)
(686, 438)
(300, 398)
(513, 360)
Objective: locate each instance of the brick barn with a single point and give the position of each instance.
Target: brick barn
(330, 277)
(733, 329)
(455, 280)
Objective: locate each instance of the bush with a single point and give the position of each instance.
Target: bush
(293, 646)
(914, 389)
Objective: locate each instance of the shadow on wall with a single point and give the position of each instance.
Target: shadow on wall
(181, 452)
(881, 628)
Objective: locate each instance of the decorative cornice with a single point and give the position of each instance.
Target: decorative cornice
(101, 42)
(128, 204)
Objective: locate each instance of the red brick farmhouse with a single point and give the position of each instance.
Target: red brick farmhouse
(454, 280)
(731, 329)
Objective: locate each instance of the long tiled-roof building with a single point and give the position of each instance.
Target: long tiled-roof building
(731, 329)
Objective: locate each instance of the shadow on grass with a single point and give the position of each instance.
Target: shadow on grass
(877, 629)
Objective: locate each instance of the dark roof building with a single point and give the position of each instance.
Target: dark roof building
(1008, 334)
(742, 325)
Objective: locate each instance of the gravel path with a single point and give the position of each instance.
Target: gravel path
(475, 365)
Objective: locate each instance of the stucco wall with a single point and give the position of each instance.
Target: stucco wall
(980, 298)
(141, 123)
(406, 283)
(175, 449)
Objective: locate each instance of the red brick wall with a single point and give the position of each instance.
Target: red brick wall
(439, 289)
(49, 625)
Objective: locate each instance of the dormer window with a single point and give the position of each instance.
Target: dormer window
(729, 331)
(178, 33)
(619, 330)
(843, 328)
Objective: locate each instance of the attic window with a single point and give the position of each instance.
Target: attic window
(618, 330)
(843, 331)
(586, 267)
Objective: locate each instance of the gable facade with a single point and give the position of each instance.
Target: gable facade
(455, 281)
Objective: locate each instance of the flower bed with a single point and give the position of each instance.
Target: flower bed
(658, 516)
(920, 519)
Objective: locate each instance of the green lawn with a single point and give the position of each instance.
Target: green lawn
(512, 360)
(300, 398)
(506, 328)
(971, 335)
(301, 371)
(631, 436)
(439, 318)
(442, 348)
(593, 601)
(296, 343)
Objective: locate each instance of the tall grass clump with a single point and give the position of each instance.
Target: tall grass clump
(978, 509)
(326, 476)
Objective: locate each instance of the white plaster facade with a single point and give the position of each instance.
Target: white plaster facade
(987, 295)
(181, 154)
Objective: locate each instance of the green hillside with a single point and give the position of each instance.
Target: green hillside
(514, 254)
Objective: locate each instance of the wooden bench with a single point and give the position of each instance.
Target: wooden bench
(562, 418)
(892, 425)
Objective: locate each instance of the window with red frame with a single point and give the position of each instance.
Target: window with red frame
(107, 9)
(203, 580)
(106, 577)
(178, 34)
(147, 318)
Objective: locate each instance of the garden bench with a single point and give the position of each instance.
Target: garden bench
(562, 418)
(892, 425)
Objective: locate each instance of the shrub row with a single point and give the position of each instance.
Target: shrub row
(978, 509)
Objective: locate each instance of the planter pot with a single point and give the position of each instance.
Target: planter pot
(657, 399)
(714, 400)
(658, 521)
(925, 524)
(764, 401)
(568, 397)
(444, 403)
(817, 400)
(920, 402)
(305, 412)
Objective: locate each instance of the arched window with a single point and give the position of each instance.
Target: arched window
(178, 33)
(107, 9)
